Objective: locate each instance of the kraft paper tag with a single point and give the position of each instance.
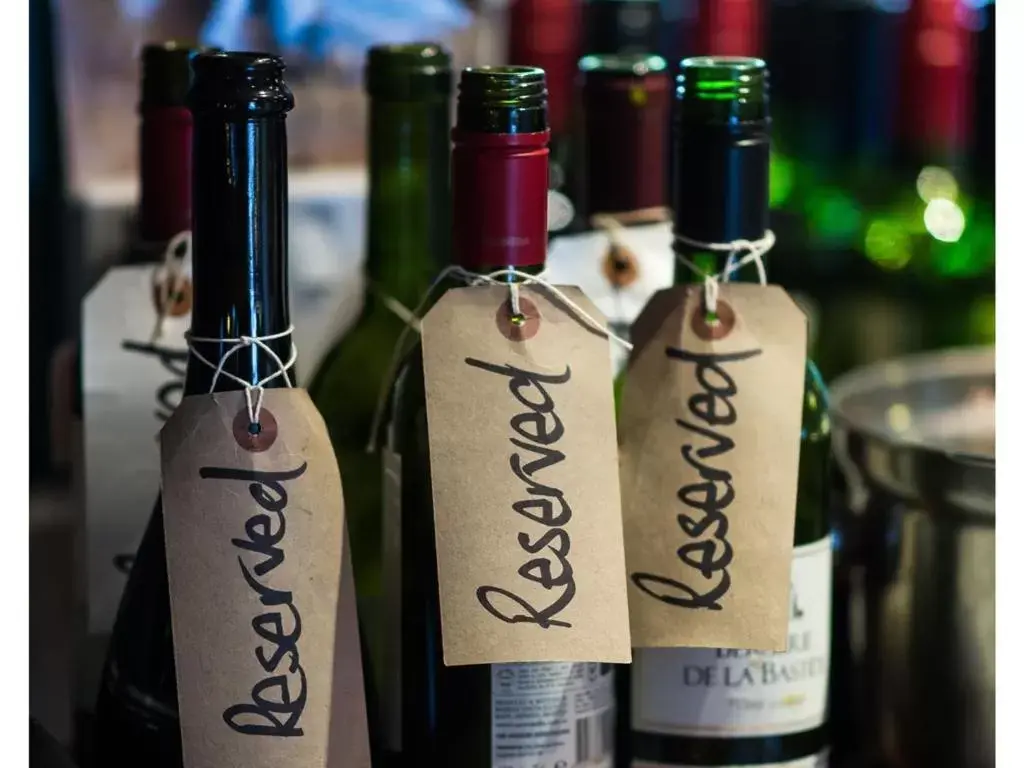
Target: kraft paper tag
(262, 599)
(131, 383)
(523, 469)
(709, 445)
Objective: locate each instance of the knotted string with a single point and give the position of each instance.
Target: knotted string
(473, 278)
(253, 402)
(169, 278)
(753, 252)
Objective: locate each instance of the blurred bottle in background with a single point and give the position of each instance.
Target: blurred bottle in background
(620, 183)
(407, 238)
(622, 26)
(547, 34)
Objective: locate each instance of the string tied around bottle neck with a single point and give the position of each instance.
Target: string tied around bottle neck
(169, 278)
(412, 320)
(741, 253)
(253, 392)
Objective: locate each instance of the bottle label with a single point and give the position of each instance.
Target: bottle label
(727, 692)
(819, 760)
(556, 715)
(389, 673)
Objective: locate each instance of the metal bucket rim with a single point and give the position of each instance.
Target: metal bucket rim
(915, 367)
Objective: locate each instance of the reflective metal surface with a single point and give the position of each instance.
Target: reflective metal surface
(915, 441)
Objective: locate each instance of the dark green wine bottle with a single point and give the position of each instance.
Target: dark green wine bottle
(480, 716)
(407, 231)
(715, 707)
(240, 277)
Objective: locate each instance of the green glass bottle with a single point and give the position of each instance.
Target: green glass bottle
(715, 707)
(407, 229)
(497, 715)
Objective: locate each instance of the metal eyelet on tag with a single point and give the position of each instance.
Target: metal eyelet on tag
(720, 327)
(257, 437)
(178, 302)
(518, 327)
(621, 267)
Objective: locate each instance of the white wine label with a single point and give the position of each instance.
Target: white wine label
(557, 715)
(727, 692)
(389, 673)
(819, 760)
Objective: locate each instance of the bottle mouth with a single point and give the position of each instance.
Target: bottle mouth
(637, 65)
(511, 86)
(239, 84)
(506, 99)
(408, 71)
(730, 88)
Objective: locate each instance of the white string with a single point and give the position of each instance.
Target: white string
(473, 278)
(169, 278)
(399, 310)
(753, 250)
(242, 342)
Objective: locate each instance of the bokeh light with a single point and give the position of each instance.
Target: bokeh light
(782, 177)
(944, 220)
(887, 244)
(934, 182)
(835, 217)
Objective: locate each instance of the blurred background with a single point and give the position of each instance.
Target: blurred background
(882, 175)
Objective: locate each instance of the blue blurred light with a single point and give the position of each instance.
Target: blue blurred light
(892, 6)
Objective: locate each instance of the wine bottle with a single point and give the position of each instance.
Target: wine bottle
(165, 150)
(546, 34)
(407, 232)
(716, 707)
(620, 177)
(165, 164)
(240, 276)
(477, 716)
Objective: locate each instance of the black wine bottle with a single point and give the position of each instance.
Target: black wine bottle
(240, 276)
(725, 707)
(497, 715)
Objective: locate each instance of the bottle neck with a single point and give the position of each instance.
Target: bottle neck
(499, 199)
(624, 142)
(719, 191)
(240, 237)
(408, 216)
(165, 181)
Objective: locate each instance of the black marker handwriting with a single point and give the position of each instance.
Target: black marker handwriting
(279, 713)
(168, 395)
(712, 495)
(538, 429)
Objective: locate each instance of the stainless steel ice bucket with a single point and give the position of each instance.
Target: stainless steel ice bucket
(914, 439)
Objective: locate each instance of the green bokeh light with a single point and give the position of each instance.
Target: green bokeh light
(887, 244)
(782, 180)
(834, 217)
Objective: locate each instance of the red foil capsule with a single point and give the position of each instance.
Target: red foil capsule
(626, 124)
(165, 173)
(499, 199)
